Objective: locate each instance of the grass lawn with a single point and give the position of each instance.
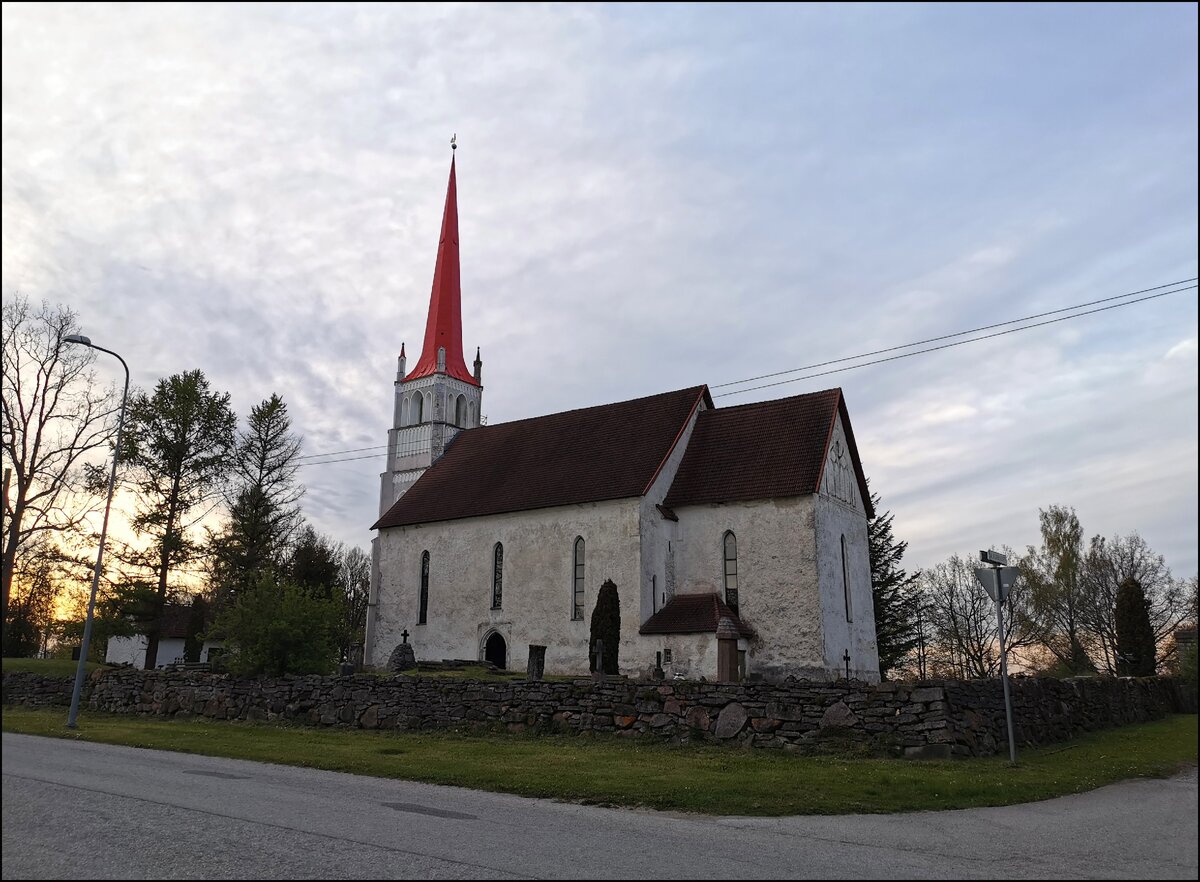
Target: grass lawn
(608, 771)
(51, 667)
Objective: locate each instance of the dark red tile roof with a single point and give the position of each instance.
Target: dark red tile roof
(764, 450)
(174, 621)
(693, 614)
(613, 451)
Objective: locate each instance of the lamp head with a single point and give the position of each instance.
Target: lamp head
(78, 338)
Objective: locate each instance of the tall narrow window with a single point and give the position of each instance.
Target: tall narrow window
(846, 584)
(497, 575)
(418, 409)
(423, 612)
(577, 583)
(731, 582)
(460, 411)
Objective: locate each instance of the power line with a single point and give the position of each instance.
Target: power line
(336, 452)
(1121, 297)
(809, 367)
(347, 459)
(949, 345)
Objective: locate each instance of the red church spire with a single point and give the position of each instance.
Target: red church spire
(443, 328)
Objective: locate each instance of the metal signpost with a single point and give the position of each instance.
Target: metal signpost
(997, 580)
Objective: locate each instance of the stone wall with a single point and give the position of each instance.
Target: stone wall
(942, 718)
(36, 690)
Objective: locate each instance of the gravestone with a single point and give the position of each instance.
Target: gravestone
(537, 662)
(402, 658)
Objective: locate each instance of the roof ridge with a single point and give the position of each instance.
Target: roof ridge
(591, 407)
(776, 400)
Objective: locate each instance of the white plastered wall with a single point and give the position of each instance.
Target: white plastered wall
(777, 578)
(840, 511)
(132, 650)
(537, 598)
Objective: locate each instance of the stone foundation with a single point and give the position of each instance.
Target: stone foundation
(931, 719)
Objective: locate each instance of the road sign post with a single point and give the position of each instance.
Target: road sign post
(997, 580)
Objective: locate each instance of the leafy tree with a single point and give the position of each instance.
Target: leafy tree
(263, 510)
(277, 627)
(54, 414)
(37, 585)
(177, 449)
(893, 593)
(606, 626)
(1059, 601)
(315, 564)
(1136, 648)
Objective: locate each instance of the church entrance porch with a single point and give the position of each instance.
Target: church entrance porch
(495, 650)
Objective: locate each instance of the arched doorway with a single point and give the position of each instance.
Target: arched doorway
(495, 650)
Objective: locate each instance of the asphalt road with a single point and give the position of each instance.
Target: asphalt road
(78, 810)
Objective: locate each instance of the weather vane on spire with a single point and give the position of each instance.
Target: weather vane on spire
(453, 138)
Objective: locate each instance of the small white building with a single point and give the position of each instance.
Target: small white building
(171, 642)
(494, 539)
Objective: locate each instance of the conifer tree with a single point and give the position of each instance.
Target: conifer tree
(177, 443)
(263, 511)
(606, 626)
(1135, 637)
(893, 592)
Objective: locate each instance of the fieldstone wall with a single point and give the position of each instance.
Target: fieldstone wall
(36, 690)
(931, 719)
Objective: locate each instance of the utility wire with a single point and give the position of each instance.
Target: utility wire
(336, 452)
(1121, 297)
(809, 367)
(949, 345)
(347, 459)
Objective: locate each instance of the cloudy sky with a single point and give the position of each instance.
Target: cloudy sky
(650, 197)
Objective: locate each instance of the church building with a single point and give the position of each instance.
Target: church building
(736, 536)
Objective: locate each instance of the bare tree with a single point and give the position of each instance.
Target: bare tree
(962, 619)
(55, 413)
(1109, 563)
(355, 577)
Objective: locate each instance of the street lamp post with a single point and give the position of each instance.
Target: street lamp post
(112, 480)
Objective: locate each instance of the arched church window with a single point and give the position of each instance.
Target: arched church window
(577, 583)
(460, 411)
(497, 575)
(846, 584)
(418, 409)
(731, 578)
(423, 612)
(404, 411)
